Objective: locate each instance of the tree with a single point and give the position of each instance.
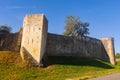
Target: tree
(5, 29)
(117, 55)
(74, 27)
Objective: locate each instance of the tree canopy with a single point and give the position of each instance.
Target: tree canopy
(117, 55)
(5, 29)
(75, 27)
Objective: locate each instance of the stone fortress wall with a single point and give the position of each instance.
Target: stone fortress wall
(34, 37)
(59, 45)
(49, 44)
(10, 42)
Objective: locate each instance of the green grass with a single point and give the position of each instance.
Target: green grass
(12, 68)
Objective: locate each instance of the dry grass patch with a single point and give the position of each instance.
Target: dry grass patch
(12, 58)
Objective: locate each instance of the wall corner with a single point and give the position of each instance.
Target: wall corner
(108, 44)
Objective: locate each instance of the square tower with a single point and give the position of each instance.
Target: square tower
(108, 44)
(35, 28)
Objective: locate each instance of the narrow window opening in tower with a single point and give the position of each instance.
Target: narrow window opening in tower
(32, 41)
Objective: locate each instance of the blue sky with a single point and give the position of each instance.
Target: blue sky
(103, 15)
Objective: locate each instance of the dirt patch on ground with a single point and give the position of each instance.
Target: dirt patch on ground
(118, 59)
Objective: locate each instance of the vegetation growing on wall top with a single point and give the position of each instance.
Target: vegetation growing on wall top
(75, 27)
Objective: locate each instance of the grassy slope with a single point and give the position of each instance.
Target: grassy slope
(11, 68)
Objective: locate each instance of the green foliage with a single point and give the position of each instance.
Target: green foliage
(117, 55)
(118, 65)
(74, 27)
(5, 29)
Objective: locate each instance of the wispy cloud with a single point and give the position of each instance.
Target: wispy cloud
(14, 7)
(19, 7)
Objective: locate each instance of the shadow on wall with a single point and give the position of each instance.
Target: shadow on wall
(10, 42)
(62, 60)
(77, 61)
(59, 45)
(27, 57)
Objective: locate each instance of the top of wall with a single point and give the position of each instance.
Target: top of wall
(86, 38)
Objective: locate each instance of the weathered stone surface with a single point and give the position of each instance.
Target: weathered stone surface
(10, 42)
(34, 36)
(34, 44)
(59, 45)
(109, 47)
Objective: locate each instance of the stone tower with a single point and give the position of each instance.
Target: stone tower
(35, 28)
(108, 44)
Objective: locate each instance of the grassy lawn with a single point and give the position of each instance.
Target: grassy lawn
(12, 68)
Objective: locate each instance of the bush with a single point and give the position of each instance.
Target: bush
(5, 29)
(118, 55)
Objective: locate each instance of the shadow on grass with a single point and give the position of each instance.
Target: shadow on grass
(79, 62)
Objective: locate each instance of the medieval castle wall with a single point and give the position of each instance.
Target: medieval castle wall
(10, 42)
(59, 45)
(34, 37)
(56, 45)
